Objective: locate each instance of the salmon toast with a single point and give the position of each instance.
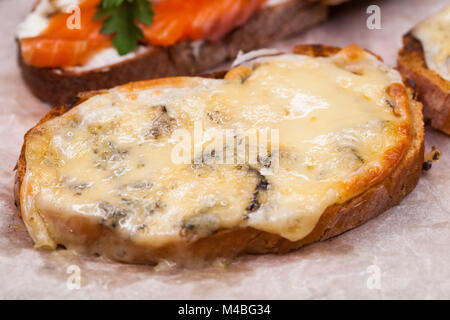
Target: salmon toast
(184, 38)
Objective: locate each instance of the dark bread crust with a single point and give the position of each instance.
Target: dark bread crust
(433, 91)
(60, 87)
(335, 220)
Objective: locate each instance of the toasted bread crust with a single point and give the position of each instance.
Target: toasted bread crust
(60, 87)
(335, 220)
(433, 90)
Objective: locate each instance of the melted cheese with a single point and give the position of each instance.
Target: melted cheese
(434, 34)
(110, 158)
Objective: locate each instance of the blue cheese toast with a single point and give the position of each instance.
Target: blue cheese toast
(425, 61)
(101, 177)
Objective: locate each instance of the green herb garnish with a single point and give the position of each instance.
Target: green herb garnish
(119, 18)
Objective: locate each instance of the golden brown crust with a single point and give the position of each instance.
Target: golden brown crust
(60, 87)
(335, 220)
(433, 91)
(21, 163)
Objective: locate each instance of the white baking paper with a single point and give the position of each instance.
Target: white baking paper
(403, 253)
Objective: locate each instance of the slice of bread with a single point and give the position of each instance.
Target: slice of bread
(275, 21)
(432, 89)
(241, 205)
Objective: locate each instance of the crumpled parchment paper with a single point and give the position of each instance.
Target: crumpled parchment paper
(404, 253)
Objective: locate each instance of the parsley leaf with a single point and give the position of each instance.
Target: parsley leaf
(119, 18)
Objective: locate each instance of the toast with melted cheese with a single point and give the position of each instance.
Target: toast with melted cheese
(100, 177)
(425, 61)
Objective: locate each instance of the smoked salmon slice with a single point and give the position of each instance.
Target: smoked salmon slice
(50, 52)
(59, 46)
(197, 19)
